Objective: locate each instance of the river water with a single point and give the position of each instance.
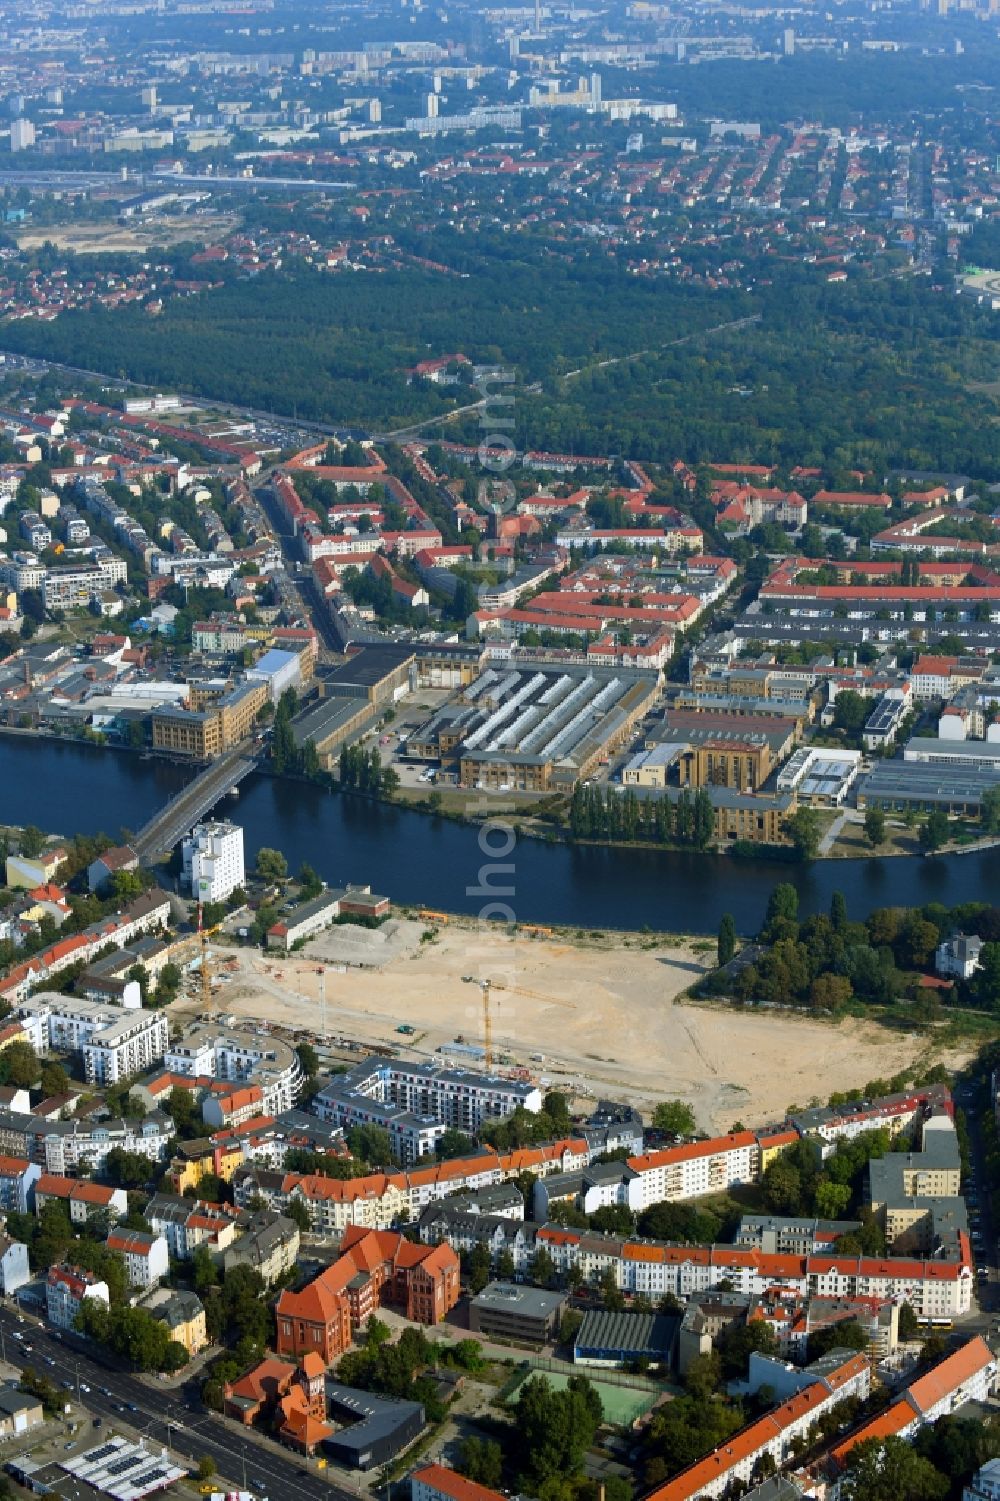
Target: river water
(414, 858)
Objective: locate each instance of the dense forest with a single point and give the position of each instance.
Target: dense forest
(873, 373)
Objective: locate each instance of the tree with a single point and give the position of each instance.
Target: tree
(909, 1326)
(31, 842)
(727, 939)
(838, 912)
(19, 1064)
(554, 1429)
(271, 865)
(739, 1341)
(542, 1268)
(845, 1335)
(933, 831)
(802, 828)
(674, 1117)
(875, 826)
(889, 1470)
(168, 984)
(989, 810)
(850, 711)
(478, 1266)
(454, 1143)
(481, 1460)
(782, 910)
(611, 1294)
(297, 1212)
(206, 1467)
(309, 1059)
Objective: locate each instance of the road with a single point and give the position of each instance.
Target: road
(972, 1097)
(637, 354)
(167, 1415)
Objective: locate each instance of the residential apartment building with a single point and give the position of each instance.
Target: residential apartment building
(247, 1058)
(18, 1177)
(698, 1167)
(59, 1147)
(186, 1224)
(14, 1268)
(184, 1315)
(213, 864)
(66, 1287)
(146, 1257)
(968, 1375)
(269, 1245)
(114, 1045)
(417, 1102)
(738, 1460)
(81, 1197)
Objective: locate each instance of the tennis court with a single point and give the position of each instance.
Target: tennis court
(622, 1404)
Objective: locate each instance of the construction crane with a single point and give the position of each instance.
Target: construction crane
(487, 986)
(535, 995)
(204, 934)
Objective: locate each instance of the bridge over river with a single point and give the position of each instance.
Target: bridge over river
(193, 802)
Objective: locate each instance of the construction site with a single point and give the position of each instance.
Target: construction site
(595, 1017)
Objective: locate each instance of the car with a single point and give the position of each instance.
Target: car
(84, 1387)
(132, 1407)
(97, 1422)
(67, 1386)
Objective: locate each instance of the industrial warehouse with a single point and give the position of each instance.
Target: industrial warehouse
(531, 729)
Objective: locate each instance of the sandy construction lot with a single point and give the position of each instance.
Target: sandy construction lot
(104, 238)
(594, 1018)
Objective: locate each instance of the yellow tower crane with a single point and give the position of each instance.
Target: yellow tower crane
(487, 987)
(204, 934)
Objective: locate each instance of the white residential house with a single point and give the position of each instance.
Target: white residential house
(958, 958)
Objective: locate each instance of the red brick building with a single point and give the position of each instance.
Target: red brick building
(375, 1267)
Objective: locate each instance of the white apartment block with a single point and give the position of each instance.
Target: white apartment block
(213, 861)
(412, 1097)
(699, 1167)
(114, 1046)
(241, 1058)
(145, 1255)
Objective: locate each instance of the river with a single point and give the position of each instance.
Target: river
(414, 858)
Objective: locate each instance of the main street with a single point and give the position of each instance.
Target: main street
(165, 1415)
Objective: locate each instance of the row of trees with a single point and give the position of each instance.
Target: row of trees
(361, 770)
(604, 813)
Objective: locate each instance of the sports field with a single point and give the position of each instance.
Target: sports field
(623, 1405)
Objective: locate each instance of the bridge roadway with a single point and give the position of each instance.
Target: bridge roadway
(193, 802)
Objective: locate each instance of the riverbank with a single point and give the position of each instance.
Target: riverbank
(437, 863)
